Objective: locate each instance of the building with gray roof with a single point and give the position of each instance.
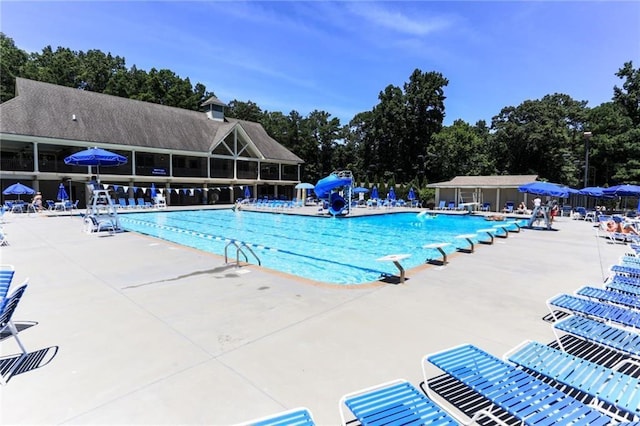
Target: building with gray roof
(192, 157)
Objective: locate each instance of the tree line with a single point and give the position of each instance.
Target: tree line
(402, 140)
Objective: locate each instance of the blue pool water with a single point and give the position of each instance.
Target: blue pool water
(332, 250)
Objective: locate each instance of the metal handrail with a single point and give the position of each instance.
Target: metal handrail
(238, 251)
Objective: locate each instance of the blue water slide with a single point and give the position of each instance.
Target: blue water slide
(323, 188)
(337, 204)
(325, 185)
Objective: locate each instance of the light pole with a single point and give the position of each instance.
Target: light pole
(587, 136)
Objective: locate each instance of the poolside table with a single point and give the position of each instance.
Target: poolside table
(439, 247)
(396, 258)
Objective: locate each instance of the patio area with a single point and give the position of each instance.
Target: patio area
(142, 331)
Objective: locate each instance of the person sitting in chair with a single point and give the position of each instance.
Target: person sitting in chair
(37, 202)
(522, 208)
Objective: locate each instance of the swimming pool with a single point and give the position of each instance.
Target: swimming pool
(331, 250)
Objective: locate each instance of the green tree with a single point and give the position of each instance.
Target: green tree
(248, 111)
(460, 149)
(61, 67)
(629, 95)
(322, 133)
(96, 69)
(12, 60)
(424, 113)
(543, 137)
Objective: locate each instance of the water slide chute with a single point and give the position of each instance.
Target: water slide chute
(325, 186)
(337, 204)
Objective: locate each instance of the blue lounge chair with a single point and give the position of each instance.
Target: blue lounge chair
(393, 403)
(442, 205)
(604, 311)
(6, 276)
(451, 206)
(609, 296)
(486, 207)
(619, 285)
(122, 203)
(606, 385)
(626, 270)
(297, 417)
(132, 203)
(514, 391)
(624, 341)
(7, 308)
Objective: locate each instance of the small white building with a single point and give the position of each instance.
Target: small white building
(495, 190)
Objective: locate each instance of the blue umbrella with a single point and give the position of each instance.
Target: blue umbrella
(95, 157)
(360, 190)
(374, 193)
(62, 193)
(392, 193)
(545, 188)
(247, 192)
(18, 189)
(154, 192)
(594, 191)
(412, 195)
(623, 191)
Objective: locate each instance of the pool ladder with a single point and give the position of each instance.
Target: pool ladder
(239, 250)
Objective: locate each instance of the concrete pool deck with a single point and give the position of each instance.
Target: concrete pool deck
(147, 332)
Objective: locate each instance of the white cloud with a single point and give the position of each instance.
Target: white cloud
(398, 21)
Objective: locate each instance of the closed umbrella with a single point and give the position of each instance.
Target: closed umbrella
(154, 191)
(62, 193)
(374, 193)
(392, 193)
(96, 157)
(412, 195)
(18, 189)
(247, 192)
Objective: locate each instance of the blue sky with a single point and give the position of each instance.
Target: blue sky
(338, 56)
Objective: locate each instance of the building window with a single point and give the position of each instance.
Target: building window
(247, 170)
(269, 171)
(221, 168)
(151, 164)
(189, 166)
(289, 172)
